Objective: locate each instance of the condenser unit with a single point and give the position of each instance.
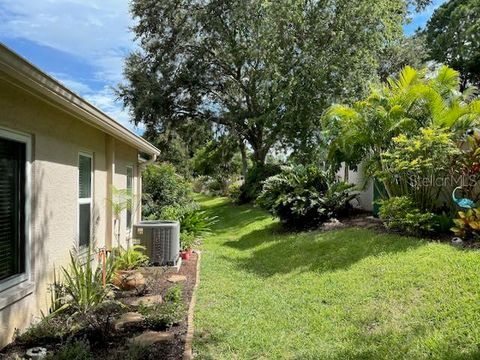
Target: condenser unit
(161, 240)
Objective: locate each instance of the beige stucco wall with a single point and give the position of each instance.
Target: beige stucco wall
(57, 138)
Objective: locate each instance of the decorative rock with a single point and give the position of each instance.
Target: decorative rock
(152, 337)
(128, 279)
(145, 300)
(128, 319)
(36, 353)
(456, 241)
(177, 278)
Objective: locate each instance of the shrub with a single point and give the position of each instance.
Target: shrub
(166, 314)
(192, 220)
(73, 350)
(413, 165)
(234, 192)
(130, 259)
(164, 187)
(49, 329)
(84, 283)
(400, 213)
(253, 184)
(468, 224)
(305, 196)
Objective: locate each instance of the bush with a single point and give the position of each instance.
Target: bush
(130, 259)
(49, 329)
(74, 350)
(234, 192)
(164, 187)
(305, 196)
(468, 224)
(400, 213)
(164, 315)
(253, 184)
(192, 220)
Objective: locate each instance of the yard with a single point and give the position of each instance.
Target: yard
(343, 294)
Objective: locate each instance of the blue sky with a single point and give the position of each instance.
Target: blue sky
(82, 43)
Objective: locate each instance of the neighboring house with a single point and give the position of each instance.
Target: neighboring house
(59, 157)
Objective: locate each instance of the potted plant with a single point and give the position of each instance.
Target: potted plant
(186, 242)
(127, 262)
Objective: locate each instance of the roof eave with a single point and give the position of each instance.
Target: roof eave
(32, 79)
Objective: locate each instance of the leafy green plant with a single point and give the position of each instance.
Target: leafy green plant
(192, 220)
(400, 213)
(416, 166)
(168, 313)
(131, 258)
(49, 329)
(187, 240)
(164, 188)
(253, 183)
(234, 192)
(84, 282)
(305, 196)
(468, 224)
(403, 105)
(73, 350)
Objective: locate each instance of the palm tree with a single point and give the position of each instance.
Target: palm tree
(414, 100)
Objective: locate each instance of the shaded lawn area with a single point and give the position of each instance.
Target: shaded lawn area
(344, 294)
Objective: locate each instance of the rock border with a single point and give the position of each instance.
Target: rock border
(188, 352)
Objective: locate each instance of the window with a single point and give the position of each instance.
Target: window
(14, 170)
(84, 199)
(130, 193)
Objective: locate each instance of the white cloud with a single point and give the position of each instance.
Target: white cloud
(104, 99)
(95, 31)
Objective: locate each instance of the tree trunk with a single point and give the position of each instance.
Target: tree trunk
(243, 151)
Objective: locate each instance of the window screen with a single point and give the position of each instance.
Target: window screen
(130, 189)
(84, 199)
(12, 208)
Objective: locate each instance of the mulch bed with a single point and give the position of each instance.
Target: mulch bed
(116, 346)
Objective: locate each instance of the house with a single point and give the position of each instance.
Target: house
(59, 158)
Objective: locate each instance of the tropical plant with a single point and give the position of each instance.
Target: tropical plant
(131, 258)
(305, 196)
(400, 213)
(414, 100)
(417, 167)
(120, 200)
(83, 281)
(468, 224)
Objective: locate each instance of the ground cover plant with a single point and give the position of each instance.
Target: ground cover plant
(344, 294)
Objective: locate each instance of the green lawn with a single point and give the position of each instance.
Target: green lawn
(345, 294)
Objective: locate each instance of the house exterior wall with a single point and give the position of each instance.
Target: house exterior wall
(56, 138)
(365, 198)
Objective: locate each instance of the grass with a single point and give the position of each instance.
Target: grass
(345, 294)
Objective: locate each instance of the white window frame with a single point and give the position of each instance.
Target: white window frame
(81, 201)
(132, 192)
(27, 140)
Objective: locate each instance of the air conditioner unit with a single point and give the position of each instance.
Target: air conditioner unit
(161, 240)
